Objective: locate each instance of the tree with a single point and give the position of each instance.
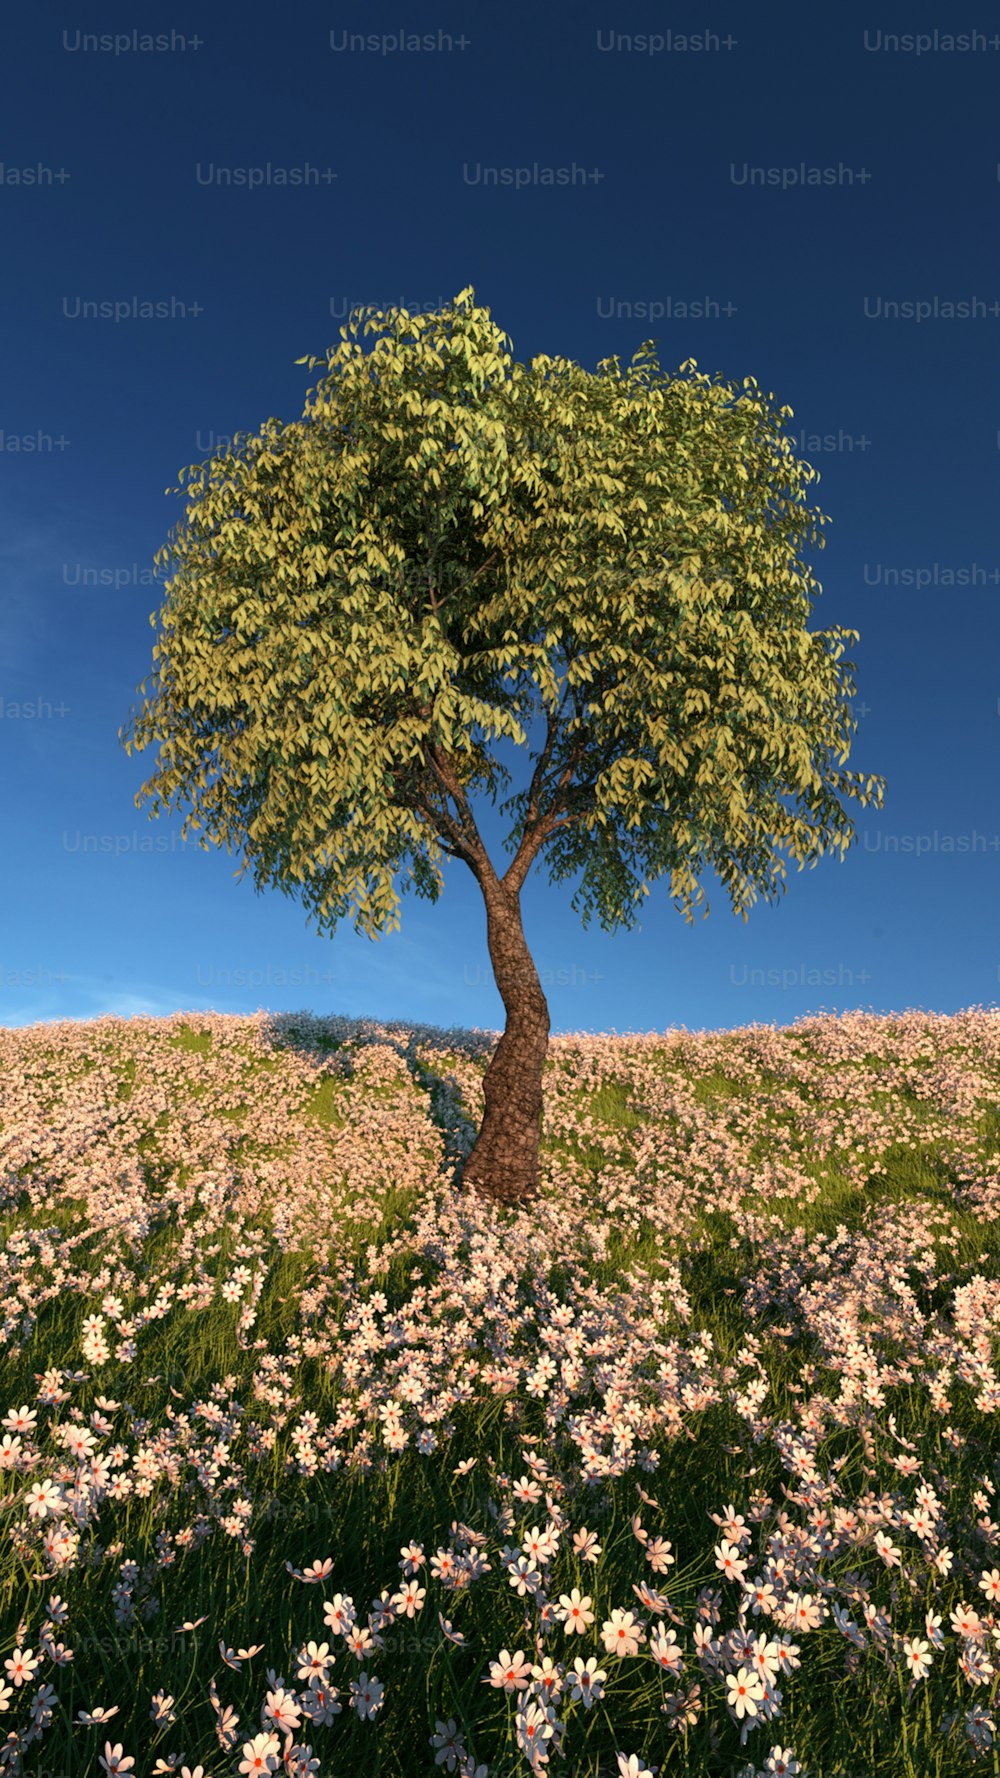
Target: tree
(363, 598)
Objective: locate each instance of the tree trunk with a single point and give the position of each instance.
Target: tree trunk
(503, 1166)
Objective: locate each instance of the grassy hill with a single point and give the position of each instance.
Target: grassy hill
(271, 1382)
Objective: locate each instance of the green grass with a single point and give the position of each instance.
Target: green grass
(362, 1520)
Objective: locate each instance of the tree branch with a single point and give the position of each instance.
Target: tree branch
(551, 725)
(444, 828)
(413, 793)
(534, 837)
(468, 833)
(465, 840)
(436, 603)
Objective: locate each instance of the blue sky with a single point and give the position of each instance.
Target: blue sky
(802, 284)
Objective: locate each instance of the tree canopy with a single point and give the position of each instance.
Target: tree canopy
(450, 544)
(445, 538)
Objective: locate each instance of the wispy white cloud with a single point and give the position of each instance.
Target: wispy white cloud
(126, 998)
(125, 1005)
(100, 997)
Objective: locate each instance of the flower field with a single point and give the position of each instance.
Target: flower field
(310, 1463)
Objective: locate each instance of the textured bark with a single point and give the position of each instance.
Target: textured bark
(503, 1166)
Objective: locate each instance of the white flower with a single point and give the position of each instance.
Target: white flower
(622, 1633)
(588, 1681)
(511, 1671)
(42, 1498)
(114, 1761)
(260, 1755)
(22, 1665)
(576, 1613)
(745, 1692)
(918, 1660)
(783, 1763)
(631, 1766)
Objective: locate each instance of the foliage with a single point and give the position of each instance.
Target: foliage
(361, 600)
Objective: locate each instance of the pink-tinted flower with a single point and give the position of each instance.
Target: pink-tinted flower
(511, 1671)
(664, 1650)
(115, 1761)
(22, 1666)
(576, 1611)
(588, 1681)
(260, 1755)
(313, 1658)
(631, 1766)
(745, 1692)
(622, 1634)
(43, 1498)
(990, 1584)
(917, 1658)
(283, 1709)
(783, 1763)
